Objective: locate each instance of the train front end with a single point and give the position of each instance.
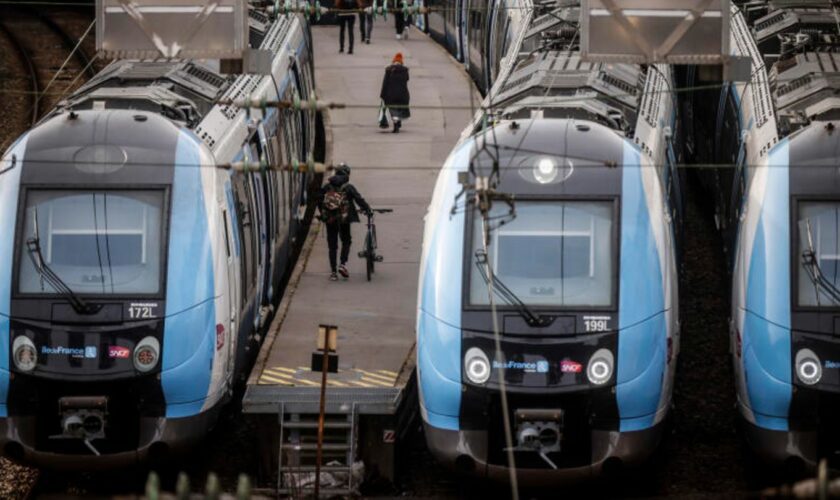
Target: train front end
(786, 301)
(584, 282)
(112, 324)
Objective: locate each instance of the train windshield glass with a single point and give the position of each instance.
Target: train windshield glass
(819, 254)
(551, 254)
(96, 242)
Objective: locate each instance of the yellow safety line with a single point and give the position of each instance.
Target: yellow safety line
(281, 368)
(388, 372)
(378, 382)
(278, 374)
(304, 368)
(377, 376)
(336, 383)
(275, 380)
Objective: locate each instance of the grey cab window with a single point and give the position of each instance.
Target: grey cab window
(97, 242)
(552, 253)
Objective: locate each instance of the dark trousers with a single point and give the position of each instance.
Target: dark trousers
(347, 23)
(399, 20)
(365, 25)
(334, 231)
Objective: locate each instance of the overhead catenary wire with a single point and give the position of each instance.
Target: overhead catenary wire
(304, 166)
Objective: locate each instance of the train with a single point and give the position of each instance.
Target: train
(776, 205)
(559, 278)
(135, 274)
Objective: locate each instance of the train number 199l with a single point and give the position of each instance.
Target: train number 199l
(596, 323)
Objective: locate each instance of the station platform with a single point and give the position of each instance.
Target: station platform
(376, 320)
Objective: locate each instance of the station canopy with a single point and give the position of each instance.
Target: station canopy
(655, 31)
(183, 29)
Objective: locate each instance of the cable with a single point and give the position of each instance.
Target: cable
(98, 250)
(301, 167)
(514, 486)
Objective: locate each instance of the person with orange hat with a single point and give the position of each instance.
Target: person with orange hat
(394, 93)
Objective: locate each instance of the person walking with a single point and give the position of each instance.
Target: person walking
(403, 22)
(365, 20)
(337, 205)
(346, 22)
(394, 93)
(400, 24)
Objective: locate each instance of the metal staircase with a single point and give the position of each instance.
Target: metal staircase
(299, 443)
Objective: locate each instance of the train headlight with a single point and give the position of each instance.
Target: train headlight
(24, 354)
(146, 354)
(808, 367)
(600, 368)
(545, 170)
(477, 366)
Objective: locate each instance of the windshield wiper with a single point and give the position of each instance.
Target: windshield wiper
(812, 266)
(506, 293)
(33, 248)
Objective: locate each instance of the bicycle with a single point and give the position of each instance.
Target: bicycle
(369, 251)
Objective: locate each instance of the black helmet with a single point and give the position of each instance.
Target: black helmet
(343, 169)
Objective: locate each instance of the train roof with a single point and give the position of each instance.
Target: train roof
(183, 91)
(800, 45)
(548, 73)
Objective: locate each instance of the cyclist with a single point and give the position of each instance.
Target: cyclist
(338, 210)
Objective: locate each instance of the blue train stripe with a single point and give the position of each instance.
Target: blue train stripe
(9, 190)
(766, 329)
(641, 297)
(189, 332)
(438, 341)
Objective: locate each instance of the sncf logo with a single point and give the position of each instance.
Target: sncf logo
(117, 351)
(569, 366)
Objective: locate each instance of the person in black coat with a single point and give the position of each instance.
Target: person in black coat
(346, 22)
(395, 91)
(338, 223)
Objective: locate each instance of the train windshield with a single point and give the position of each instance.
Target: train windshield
(552, 253)
(95, 242)
(819, 254)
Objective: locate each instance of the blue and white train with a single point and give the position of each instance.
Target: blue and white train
(134, 274)
(780, 210)
(584, 268)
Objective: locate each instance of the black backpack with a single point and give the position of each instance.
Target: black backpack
(336, 206)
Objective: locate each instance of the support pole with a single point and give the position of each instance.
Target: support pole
(321, 418)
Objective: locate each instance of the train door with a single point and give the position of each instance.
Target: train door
(258, 201)
(463, 33)
(294, 131)
(302, 94)
(477, 40)
(673, 190)
(247, 272)
(270, 215)
(232, 295)
(492, 25)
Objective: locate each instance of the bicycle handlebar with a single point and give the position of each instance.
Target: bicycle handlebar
(382, 210)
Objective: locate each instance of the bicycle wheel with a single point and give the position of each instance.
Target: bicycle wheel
(369, 256)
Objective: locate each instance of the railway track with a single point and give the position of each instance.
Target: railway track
(46, 49)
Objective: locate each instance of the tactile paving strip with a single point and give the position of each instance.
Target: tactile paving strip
(303, 376)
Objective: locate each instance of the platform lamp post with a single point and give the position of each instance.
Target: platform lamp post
(324, 360)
